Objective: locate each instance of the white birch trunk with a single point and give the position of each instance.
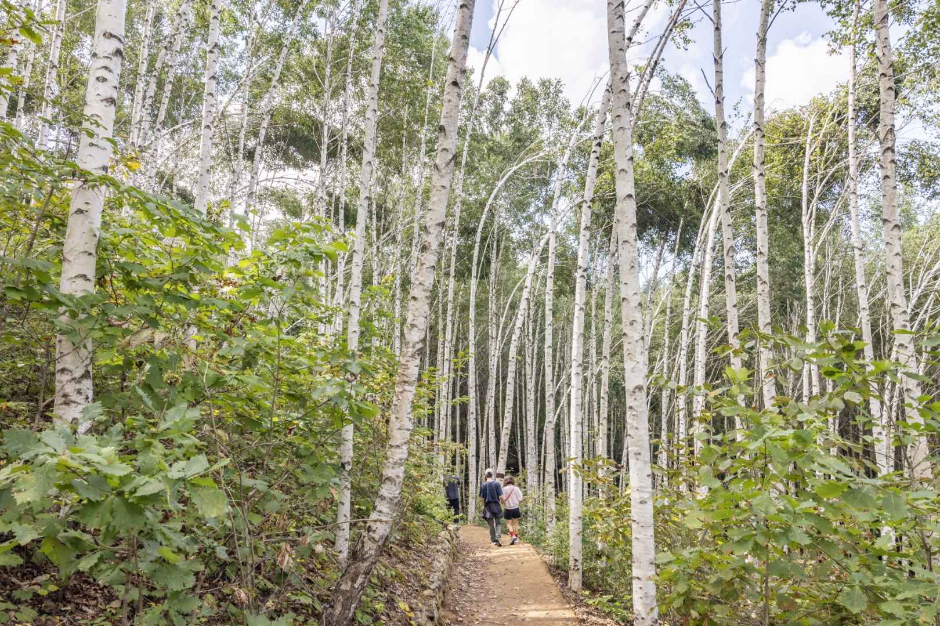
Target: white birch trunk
(73, 372)
(918, 452)
(358, 571)
(766, 376)
(27, 76)
(267, 108)
(634, 356)
(142, 63)
(810, 371)
(355, 280)
(12, 61)
(339, 292)
(882, 444)
(575, 566)
(52, 75)
(724, 204)
(209, 105)
(513, 359)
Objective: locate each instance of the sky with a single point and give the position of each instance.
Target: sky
(567, 39)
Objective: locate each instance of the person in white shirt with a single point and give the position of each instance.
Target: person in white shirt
(511, 498)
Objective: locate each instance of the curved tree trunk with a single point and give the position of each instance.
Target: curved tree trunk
(355, 280)
(359, 569)
(73, 371)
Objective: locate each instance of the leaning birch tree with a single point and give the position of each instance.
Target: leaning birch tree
(358, 570)
(355, 280)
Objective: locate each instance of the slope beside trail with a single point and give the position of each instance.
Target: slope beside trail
(502, 586)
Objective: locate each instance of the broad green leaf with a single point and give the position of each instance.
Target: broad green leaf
(210, 502)
(34, 485)
(895, 505)
(169, 555)
(854, 599)
(830, 489)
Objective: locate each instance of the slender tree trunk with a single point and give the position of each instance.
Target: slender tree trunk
(879, 428)
(493, 346)
(724, 203)
(27, 76)
(513, 360)
(339, 293)
(810, 371)
(12, 60)
(607, 336)
(903, 342)
(701, 328)
(209, 105)
(358, 570)
(169, 57)
(142, 63)
(634, 354)
(768, 382)
(355, 281)
(472, 410)
(550, 283)
(267, 108)
(73, 372)
(577, 346)
(52, 74)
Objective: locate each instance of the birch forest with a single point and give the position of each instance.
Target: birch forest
(271, 270)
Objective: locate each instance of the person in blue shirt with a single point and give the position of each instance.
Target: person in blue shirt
(491, 491)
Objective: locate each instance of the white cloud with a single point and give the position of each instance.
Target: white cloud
(564, 39)
(475, 61)
(798, 70)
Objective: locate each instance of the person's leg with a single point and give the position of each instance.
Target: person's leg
(491, 522)
(499, 529)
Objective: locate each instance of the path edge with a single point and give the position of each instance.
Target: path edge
(430, 610)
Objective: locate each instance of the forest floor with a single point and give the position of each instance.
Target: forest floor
(503, 586)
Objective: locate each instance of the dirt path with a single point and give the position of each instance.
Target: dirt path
(502, 586)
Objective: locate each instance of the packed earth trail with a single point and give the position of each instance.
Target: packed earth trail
(503, 586)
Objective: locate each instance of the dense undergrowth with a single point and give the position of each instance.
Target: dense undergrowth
(788, 524)
(205, 489)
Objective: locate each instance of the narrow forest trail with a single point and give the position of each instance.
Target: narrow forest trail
(502, 586)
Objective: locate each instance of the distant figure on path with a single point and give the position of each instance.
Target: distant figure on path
(511, 498)
(490, 491)
(452, 489)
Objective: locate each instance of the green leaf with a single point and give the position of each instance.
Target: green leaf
(149, 488)
(188, 469)
(8, 559)
(895, 505)
(210, 502)
(169, 555)
(853, 599)
(830, 489)
(861, 498)
(33, 486)
(54, 440)
(30, 34)
(126, 516)
(93, 488)
(88, 561)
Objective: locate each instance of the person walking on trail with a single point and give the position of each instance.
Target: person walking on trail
(511, 498)
(491, 491)
(452, 490)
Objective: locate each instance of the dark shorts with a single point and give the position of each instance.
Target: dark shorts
(454, 505)
(512, 514)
